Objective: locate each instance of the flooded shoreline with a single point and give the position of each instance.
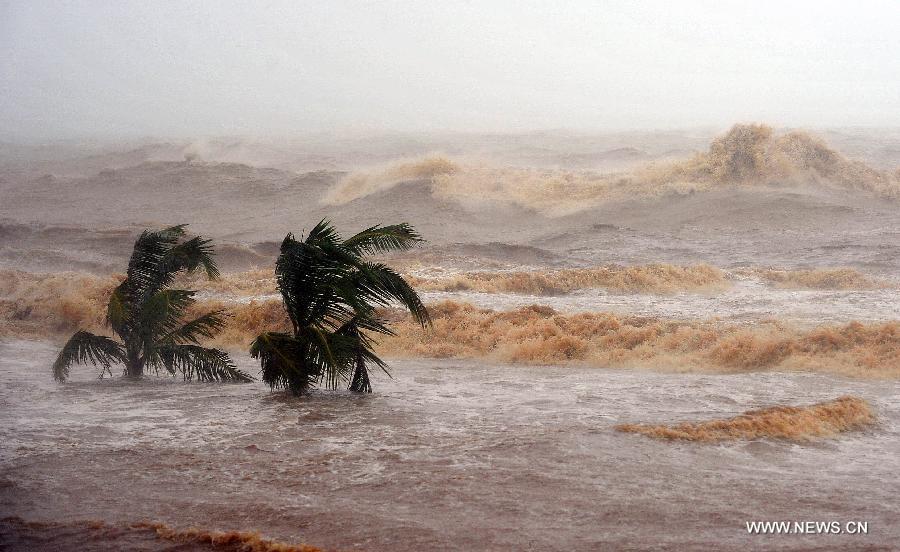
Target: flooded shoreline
(457, 455)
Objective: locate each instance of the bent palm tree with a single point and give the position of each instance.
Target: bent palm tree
(147, 316)
(331, 293)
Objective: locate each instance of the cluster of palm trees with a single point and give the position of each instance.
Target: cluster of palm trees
(330, 291)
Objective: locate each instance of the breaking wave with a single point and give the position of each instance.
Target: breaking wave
(658, 278)
(54, 304)
(746, 155)
(794, 423)
(553, 192)
(817, 278)
(753, 154)
(655, 278)
(97, 535)
(239, 541)
(361, 184)
(34, 303)
(540, 335)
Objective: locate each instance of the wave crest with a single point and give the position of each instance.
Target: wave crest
(57, 302)
(817, 278)
(97, 535)
(360, 184)
(654, 278)
(794, 423)
(52, 305)
(746, 155)
(753, 154)
(540, 335)
(238, 541)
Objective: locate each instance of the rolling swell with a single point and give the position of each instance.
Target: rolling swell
(748, 155)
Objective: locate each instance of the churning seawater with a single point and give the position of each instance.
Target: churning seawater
(448, 455)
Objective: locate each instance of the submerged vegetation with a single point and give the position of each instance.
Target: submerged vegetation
(330, 293)
(148, 316)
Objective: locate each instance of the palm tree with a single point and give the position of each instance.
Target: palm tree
(148, 316)
(331, 294)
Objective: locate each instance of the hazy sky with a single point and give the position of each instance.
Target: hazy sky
(107, 68)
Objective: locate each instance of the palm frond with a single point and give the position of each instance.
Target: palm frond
(300, 362)
(330, 352)
(161, 312)
(283, 361)
(381, 284)
(118, 309)
(159, 256)
(308, 278)
(201, 363)
(383, 239)
(330, 293)
(363, 352)
(205, 326)
(84, 347)
(149, 250)
(323, 233)
(191, 255)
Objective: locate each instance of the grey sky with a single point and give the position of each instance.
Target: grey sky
(189, 68)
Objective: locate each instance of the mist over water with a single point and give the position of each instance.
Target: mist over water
(662, 264)
(79, 69)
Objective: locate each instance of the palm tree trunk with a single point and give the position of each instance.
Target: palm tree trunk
(134, 367)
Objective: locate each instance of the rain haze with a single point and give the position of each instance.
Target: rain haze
(458, 276)
(189, 68)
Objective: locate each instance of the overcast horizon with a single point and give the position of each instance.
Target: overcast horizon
(180, 70)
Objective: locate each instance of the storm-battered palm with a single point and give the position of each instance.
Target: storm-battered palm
(148, 316)
(331, 293)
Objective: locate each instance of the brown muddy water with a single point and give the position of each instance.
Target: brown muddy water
(448, 455)
(801, 237)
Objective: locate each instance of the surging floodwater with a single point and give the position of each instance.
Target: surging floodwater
(740, 278)
(449, 455)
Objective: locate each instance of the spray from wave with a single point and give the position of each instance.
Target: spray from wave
(753, 154)
(793, 423)
(748, 155)
(55, 302)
